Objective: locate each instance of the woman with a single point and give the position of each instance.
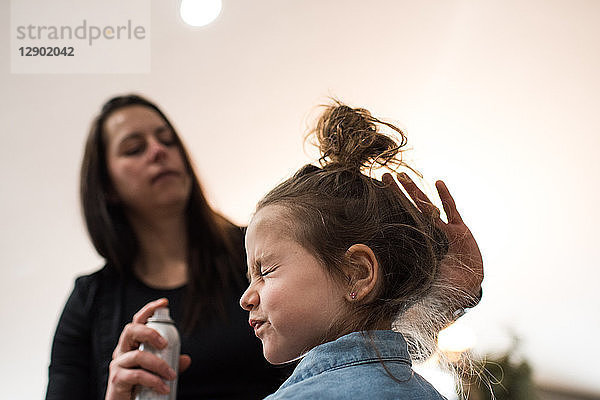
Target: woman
(147, 216)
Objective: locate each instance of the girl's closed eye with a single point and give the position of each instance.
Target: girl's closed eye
(267, 271)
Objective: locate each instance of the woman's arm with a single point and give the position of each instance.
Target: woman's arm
(70, 370)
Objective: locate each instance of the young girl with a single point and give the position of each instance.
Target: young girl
(334, 260)
(337, 259)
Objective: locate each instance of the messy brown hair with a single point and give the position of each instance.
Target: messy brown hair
(337, 205)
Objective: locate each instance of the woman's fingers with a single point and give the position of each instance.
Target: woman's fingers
(135, 333)
(147, 361)
(133, 369)
(389, 180)
(421, 200)
(184, 362)
(148, 310)
(448, 203)
(140, 368)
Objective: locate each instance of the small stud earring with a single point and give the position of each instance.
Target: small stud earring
(353, 295)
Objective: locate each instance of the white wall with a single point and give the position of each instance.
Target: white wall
(499, 98)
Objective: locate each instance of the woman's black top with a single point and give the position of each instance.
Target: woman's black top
(227, 360)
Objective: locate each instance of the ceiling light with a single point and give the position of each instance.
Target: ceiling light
(199, 12)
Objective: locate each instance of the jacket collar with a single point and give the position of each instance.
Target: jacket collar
(351, 349)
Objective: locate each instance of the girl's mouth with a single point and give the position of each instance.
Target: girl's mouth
(256, 324)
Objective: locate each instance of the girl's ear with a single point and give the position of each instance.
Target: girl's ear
(362, 271)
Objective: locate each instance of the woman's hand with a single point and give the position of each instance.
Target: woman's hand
(462, 267)
(131, 367)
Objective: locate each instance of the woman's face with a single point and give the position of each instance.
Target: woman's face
(292, 300)
(144, 162)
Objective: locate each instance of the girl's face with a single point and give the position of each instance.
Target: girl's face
(293, 301)
(144, 162)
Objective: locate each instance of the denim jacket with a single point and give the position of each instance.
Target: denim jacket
(351, 368)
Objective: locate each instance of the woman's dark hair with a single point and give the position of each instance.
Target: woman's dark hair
(337, 205)
(214, 247)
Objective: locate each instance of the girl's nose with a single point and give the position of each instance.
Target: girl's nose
(249, 299)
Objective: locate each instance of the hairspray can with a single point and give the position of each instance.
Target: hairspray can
(163, 324)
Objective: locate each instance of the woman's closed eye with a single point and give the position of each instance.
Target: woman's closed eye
(165, 136)
(133, 144)
(134, 149)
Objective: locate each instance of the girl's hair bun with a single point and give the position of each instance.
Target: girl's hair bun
(349, 138)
